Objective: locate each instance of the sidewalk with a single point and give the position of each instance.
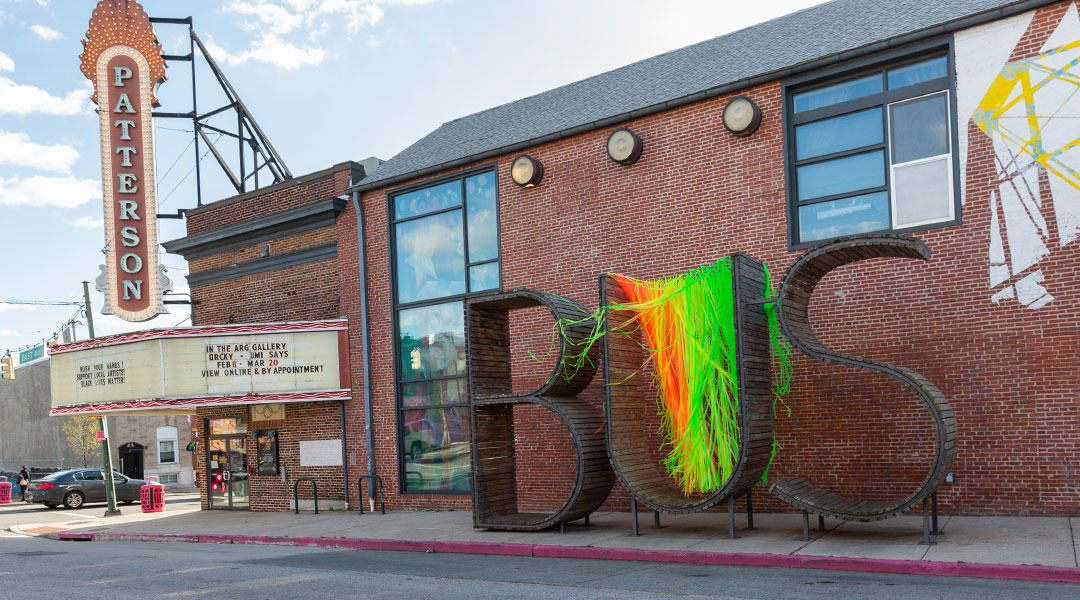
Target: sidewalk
(1038, 548)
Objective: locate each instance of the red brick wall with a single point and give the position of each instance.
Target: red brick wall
(306, 292)
(302, 292)
(699, 194)
(303, 421)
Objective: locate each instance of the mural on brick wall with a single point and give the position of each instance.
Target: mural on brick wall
(1018, 82)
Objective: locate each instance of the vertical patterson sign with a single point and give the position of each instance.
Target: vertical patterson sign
(123, 59)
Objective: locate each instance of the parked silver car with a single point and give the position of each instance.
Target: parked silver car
(78, 486)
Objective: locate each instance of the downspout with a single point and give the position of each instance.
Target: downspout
(369, 409)
(344, 454)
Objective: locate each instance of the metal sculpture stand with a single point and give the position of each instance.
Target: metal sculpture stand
(793, 306)
(626, 403)
(495, 501)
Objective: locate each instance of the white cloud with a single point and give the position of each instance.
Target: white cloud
(271, 16)
(19, 99)
(6, 64)
(272, 50)
(45, 33)
(9, 333)
(17, 149)
(276, 18)
(59, 192)
(357, 12)
(89, 222)
(41, 2)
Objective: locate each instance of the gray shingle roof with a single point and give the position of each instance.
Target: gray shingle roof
(736, 60)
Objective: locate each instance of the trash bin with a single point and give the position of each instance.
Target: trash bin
(152, 495)
(5, 490)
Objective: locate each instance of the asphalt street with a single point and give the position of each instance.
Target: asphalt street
(182, 570)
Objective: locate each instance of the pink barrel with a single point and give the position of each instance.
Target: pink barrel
(5, 490)
(152, 495)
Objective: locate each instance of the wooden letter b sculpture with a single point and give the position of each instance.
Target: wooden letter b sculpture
(495, 500)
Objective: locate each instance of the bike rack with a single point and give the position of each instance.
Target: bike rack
(360, 492)
(314, 493)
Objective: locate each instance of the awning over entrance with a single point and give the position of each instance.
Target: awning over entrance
(175, 371)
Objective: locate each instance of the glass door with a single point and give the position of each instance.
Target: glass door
(217, 461)
(228, 469)
(227, 464)
(238, 474)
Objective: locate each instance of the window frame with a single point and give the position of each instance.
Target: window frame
(881, 62)
(170, 436)
(397, 306)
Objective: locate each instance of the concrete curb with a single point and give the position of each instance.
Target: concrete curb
(866, 565)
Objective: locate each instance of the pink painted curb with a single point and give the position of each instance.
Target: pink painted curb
(746, 559)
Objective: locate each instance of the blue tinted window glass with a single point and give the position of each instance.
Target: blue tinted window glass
(432, 340)
(427, 200)
(482, 217)
(845, 132)
(919, 128)
(848, 216)
(935, 68)
(484, 277)
(837, 93)
(430, 257)
(435, 445)
(840, 175)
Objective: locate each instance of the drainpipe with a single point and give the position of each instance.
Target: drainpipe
(344, 454)
(369, 409)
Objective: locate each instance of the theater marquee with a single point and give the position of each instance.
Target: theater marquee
(123, 59)
(177, 370)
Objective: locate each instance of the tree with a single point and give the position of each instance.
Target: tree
(81, 435)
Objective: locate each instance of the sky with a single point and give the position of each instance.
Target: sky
(326, 80)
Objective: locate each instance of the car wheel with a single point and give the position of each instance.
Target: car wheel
(416, 451)
(74, 499)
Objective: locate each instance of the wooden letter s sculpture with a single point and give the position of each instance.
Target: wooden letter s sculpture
(793, 302)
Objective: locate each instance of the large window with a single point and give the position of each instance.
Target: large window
(872, 152)
(445, 238)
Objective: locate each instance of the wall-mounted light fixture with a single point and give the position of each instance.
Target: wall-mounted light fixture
(624, 146)
(526, 171)
(741, 116)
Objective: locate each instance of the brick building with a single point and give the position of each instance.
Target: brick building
(948, 122)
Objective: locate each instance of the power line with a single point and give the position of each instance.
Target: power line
(186, 175)
(56, 334)
(40, 303)
(181, 155)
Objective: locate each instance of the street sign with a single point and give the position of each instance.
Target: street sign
(32, 354)
(100, 435)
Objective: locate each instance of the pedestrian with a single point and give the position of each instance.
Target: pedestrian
(24, 481)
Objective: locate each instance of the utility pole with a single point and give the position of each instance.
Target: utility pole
(89, 313)
(106, 452)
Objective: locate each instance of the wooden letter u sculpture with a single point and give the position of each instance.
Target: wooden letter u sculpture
(628, 402)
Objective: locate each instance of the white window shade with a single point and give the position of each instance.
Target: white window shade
(922, 192)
